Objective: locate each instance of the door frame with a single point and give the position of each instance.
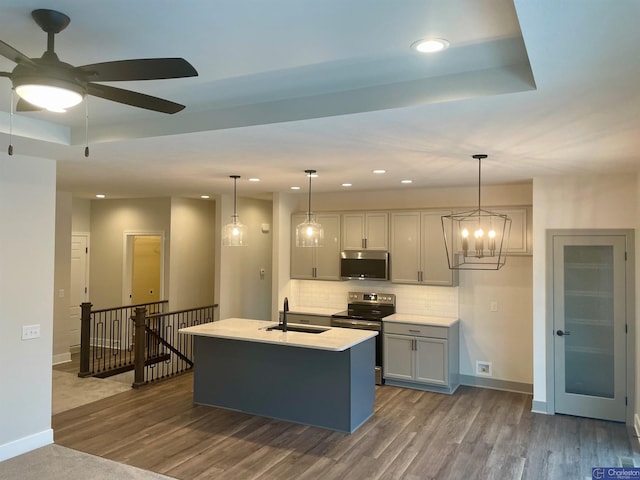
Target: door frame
(630, 266)
(127, 261)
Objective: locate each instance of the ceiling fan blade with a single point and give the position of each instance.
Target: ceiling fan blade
(14, 55)
(134, 99)
(24, 106)
(140, 69)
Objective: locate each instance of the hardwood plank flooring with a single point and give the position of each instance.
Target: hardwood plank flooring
(475, 433)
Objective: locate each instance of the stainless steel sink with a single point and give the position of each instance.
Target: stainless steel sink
(297, 328)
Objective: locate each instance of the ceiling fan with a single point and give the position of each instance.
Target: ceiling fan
(48, 83)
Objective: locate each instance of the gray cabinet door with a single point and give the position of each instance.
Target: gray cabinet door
(398, 357)
(405, 247)
(431, 361)
(589, 304)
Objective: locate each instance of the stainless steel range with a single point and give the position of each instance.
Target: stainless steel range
(365, 311)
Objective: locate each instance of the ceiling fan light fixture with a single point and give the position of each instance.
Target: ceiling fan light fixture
(50, 97)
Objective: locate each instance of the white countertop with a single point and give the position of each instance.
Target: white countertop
(337, 339)
(324, 311)
(420, 319)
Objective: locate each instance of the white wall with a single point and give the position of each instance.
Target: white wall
(192, 253)
(503, 337)
(602, 201)
(27, 235)
(62, 283)
(110, 219)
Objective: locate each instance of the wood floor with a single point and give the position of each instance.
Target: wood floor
(473, 434)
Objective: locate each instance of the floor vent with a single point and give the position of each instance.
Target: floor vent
(626, 462)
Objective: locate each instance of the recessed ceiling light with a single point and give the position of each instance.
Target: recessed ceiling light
(430, 45)
(254, 179)
(406, 181)
(100, 195)
(347, 184)
(379, 171)
(295, 188)
(204, 196)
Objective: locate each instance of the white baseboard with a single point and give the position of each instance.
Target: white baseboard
(540, 407)
(61, 358)
(26, 444)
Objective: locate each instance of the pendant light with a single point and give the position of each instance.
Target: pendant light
(476, 239)
(233, 234)
(309, 233)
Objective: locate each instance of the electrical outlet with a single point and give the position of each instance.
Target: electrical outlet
(30, 331)
(484, 368)
(493, 306)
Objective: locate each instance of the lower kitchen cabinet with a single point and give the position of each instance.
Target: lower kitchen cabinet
(421, 356)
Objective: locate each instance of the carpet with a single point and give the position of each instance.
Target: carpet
(54, 462)
(69, 391)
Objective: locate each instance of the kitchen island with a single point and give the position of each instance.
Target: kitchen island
(322, 379)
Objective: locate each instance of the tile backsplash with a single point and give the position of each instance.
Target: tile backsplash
(411, 299)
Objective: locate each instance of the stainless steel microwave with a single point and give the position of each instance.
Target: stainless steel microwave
(364, 265)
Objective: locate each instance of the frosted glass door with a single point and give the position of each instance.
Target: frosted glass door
(589, 326)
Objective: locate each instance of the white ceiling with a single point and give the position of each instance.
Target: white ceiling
(545, 87)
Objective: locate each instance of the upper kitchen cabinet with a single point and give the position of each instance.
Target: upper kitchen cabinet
(365, 231)
(317, 263)
(418, 252)
(519, 240)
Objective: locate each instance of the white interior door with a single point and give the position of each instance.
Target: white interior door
(589, 314)
(79, 284)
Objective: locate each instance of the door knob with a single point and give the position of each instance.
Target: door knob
(560, 333)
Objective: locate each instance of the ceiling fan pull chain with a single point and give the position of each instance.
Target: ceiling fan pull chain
(86, 127)
(10, 149)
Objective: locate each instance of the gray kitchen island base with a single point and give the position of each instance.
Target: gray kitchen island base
(322, 388)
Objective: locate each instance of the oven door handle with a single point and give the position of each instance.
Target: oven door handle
(355, 324)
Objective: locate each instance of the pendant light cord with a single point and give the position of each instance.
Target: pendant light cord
(479, 180)
(309, 173)
(234, 217)
(10, 149)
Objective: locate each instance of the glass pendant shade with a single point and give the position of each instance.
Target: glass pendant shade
(476, 239)
(234, 233)
(309, 233)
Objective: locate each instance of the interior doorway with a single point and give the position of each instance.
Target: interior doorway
(144, 268)
(590, 297)
(79, 284)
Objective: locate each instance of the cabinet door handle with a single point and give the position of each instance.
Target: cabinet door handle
(414, 331)
(364, 243)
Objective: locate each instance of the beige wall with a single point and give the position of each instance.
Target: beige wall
(242, 291)
(27, 237)
(62, 281)
(110, 220)
(81, 215)
(603, 201)
(192, 253)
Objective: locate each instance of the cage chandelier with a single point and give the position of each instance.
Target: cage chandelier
(476, 239)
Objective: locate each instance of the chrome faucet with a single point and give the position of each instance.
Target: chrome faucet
(285, 309)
